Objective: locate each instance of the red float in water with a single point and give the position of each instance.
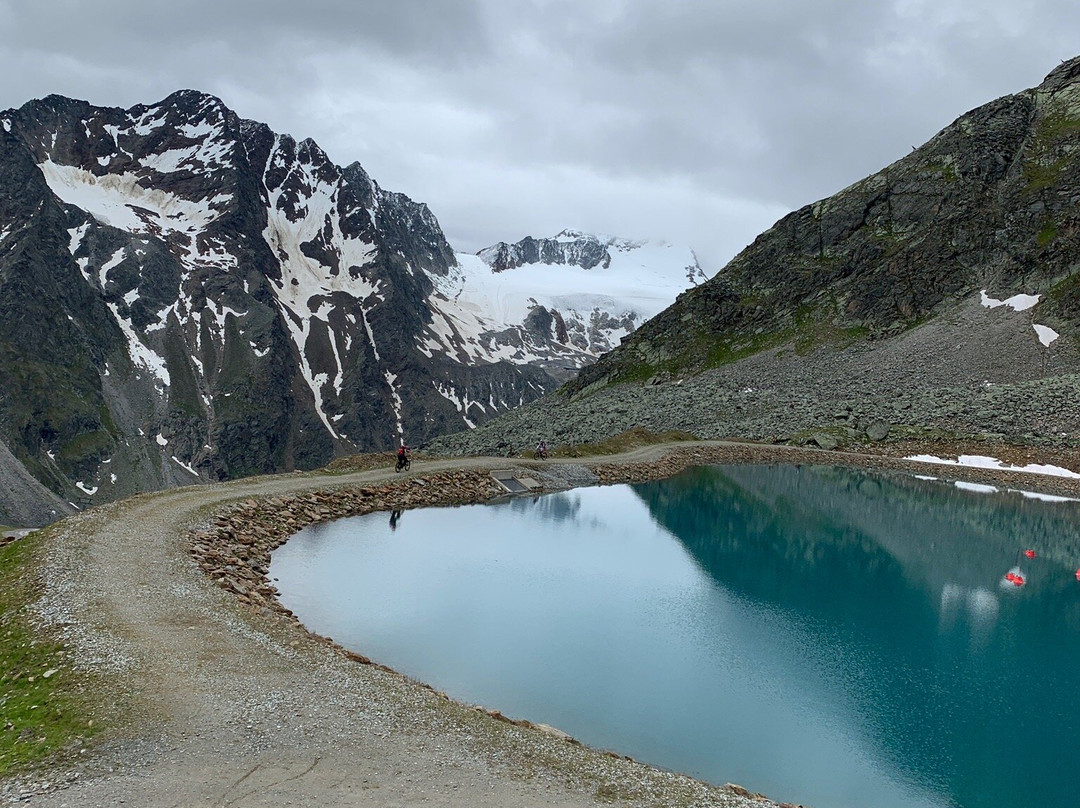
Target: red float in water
(1078, 575)
(1016, 578)
(1029, 553)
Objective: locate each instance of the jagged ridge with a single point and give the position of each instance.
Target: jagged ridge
(188, 295)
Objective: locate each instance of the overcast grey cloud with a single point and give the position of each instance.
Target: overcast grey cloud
(699, 122)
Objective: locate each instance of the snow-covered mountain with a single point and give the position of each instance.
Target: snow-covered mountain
(558, 303)
(186, 295)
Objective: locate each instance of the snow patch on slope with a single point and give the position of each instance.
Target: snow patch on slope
(984, 462)
(120, 201)
(1046, 334)
(1016, 302)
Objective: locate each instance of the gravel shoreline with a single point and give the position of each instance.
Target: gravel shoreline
(227, 700)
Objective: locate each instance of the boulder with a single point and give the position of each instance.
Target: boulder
(826, 442)
(877, 430)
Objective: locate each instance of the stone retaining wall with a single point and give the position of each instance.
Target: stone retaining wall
(236, 550)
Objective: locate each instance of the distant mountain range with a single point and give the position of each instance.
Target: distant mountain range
(558, 303)
(186, 295)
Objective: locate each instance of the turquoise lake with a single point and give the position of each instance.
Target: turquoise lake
(822, 635)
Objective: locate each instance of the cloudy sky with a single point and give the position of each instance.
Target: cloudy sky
(698, 121)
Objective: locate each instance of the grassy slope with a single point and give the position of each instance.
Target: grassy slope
(39, 716)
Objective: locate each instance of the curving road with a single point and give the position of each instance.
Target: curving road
(211, 704)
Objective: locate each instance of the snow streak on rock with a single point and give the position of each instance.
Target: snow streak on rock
(304, 209)
(462, 402)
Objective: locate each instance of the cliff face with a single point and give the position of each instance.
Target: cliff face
(990, 203)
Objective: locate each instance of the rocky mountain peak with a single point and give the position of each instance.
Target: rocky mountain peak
(569, 247)
(1068, 72)
(207, 298)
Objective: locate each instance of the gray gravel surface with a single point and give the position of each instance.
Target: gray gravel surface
(214, 704)
(978, 373)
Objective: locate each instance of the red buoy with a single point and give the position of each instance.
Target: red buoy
(1014, 578)
(1078, 575)
(1029, 553)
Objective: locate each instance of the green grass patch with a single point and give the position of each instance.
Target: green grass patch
(701, 352)
(1041, 170)
(947, 171)
(41, 713)
(86, 445)
(623, 442)
(640, 372)
(1054, 127)
(724, 351)
(364, 462)
(1041, 175)
(1046, 235)
(1065, 288)
(814, 329)
(704, 351)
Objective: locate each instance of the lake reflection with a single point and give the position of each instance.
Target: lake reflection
(822, 635)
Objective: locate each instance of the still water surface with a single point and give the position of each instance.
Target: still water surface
(822, 635)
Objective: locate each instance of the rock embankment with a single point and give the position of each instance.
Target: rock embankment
(236, 550)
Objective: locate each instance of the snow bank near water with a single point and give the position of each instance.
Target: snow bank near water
(984, 462)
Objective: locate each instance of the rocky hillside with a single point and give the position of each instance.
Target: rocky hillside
(939, 296)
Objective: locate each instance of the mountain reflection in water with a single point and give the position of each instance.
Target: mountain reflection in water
(895, 581)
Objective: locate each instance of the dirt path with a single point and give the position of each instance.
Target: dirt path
(227, 707)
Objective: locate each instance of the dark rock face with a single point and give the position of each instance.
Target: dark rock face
(568, 247)
(185, 295)
(991, 202)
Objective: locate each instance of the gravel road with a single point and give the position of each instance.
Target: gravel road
(220, 705)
